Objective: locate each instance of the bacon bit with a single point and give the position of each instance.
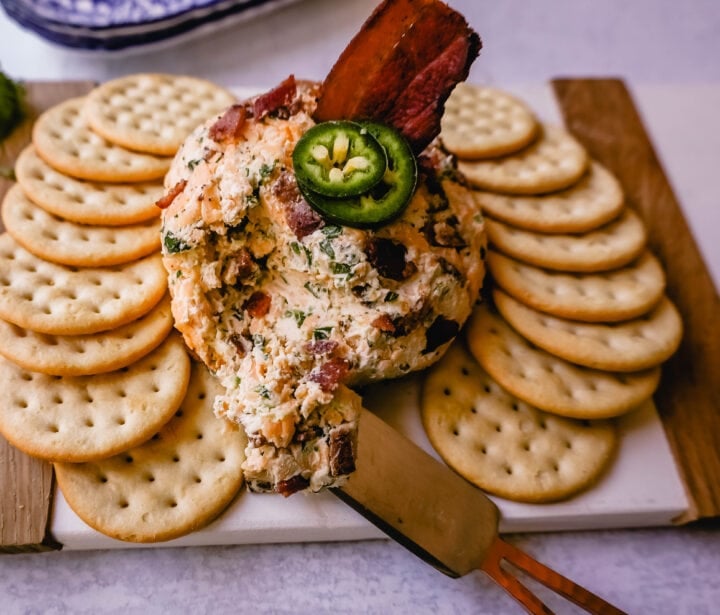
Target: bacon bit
(309, 433)
(384, 323)
(321, 347)
(444, 233)
(241, 266)
(228, 127)
(239, 342)
(388, 257)
(258, 305)
(330, 374)
(300, 217)
(257, 439)
(441, 331)
(281, 96)
(342, 460)
(165, 201)
(292, 485)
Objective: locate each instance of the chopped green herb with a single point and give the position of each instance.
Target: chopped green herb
(298, 315)
(238, 380)
(331, 231)
(340, 268)
(322, 333)
(391, 296)
(178, 274)
(174, 244)
(8, 173)
(262, 391)
(266, 170)
(193, 163)
(326, 247)
(309, 287)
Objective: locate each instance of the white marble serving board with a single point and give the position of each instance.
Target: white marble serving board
(642, 488)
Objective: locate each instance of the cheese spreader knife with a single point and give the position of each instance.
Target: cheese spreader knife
(442, 518)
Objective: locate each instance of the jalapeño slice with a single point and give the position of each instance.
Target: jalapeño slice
(384, 201)
(339, 159)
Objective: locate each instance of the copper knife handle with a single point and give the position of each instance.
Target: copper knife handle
(502, 551)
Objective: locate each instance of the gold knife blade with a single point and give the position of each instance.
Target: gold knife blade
(448, 522)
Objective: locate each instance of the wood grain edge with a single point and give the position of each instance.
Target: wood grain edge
(603, 116)
(27, 484)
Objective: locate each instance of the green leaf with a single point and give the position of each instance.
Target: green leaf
(12, 104)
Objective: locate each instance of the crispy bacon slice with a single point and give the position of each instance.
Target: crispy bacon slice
(401, 67)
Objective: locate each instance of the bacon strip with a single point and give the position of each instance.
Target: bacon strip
(165, 201)
(405, 61)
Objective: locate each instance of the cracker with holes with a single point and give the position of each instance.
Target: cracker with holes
(63, 139)
(483, 122)
(630, 345)
(504, 445)
(555, 160)
(69, 243)
(86, 202)
(608, 296)
(595, 199)
(153, 113)
(49, 298)
(549, 382)
(84, 355)
(608, 247)
(175, 483)
(85, 418)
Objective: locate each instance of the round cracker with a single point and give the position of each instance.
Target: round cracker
(83, 418)
(483, 122)
(49, 298)
(608, 247)
(68, 243)
(84, 355)
(626, 346)
(503, 445)
(174, 484)
(594, 200)
(151, 112)
(555, 160)
(549, 382)
(82, 201)
(63, 138)
(609, 296)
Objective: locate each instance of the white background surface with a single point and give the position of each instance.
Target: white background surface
(668, 51)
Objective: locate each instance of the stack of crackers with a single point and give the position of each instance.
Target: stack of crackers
(576, 323)
(95, 380)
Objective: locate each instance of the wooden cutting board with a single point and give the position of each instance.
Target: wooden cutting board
(603, 116)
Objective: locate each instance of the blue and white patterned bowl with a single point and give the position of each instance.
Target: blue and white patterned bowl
(124, 25)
